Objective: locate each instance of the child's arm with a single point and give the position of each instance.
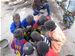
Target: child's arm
(12, 45)
(50, 38)
(17, 25)
(24, 29)
(12, 28)
(32, 43)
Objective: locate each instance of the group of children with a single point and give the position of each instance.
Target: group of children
(29, 40)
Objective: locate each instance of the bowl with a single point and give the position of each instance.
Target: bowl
(3, 43)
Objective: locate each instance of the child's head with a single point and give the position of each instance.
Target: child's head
(19, 34)
(42, 47)
(36, 36)
(16, 18)
(42, 19)
(30, 19)
(28, 49)
(49, 25)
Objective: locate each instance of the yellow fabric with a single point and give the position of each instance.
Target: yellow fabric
(25, 34)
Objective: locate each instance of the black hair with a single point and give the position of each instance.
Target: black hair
(69, 55)
(50, 25)
(28, 49)
(36, 36)
(42, 47)
(43, 18)
(18, 33)
(16, 15)
(30, 18)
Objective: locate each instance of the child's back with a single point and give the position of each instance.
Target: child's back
(55, 32)
(18, 46)
(58, 35)
(18, 42)
(28, 21)
(41, 20)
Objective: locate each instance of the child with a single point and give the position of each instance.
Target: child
(28, 21)
(39, 37)
(55, 32)
(18, 42)
(42, 48)
(29, 50)
(41, 20)
(16, 23)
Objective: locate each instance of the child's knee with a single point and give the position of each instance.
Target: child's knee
(47, 5)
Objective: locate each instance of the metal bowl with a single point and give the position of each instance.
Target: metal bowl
(3, 43)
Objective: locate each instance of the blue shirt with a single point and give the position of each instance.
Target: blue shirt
(25, 24)
(13, 26)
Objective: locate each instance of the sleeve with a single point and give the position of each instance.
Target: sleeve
(12, 28)
(23, 22)
(12, 45)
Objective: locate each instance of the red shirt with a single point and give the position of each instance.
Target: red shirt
(51, 53)
(36, 25)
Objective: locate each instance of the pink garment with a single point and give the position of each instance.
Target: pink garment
(58, 35)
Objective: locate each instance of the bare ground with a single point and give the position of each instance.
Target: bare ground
(56, 12)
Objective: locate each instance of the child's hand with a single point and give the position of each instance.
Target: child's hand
(17, 24)
(24, 29)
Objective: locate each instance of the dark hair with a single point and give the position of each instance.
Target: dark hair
(36, 36)
(18, 33)
(16, 15)
(42, 47)
(30, 18)
(28, 49)
(69, 55)
(43, 19)
(49, 25)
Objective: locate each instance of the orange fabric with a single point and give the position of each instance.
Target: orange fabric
(58, 35)
(51, 53)
(36, 25)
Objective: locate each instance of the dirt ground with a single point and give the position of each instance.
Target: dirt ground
(56, 13)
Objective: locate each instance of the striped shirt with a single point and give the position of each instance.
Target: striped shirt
(45, 40)
(18, 46)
